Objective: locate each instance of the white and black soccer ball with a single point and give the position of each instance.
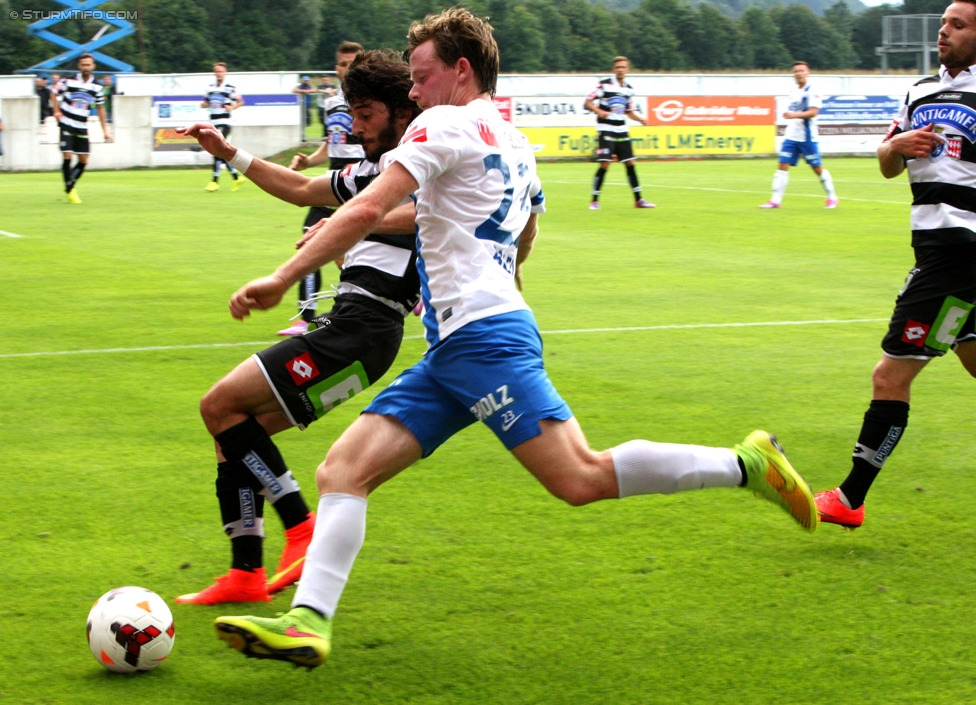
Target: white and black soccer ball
(130, 629)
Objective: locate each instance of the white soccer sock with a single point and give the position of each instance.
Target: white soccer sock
(828, 183)
(340, 529)
(643, 467)
(780, 179)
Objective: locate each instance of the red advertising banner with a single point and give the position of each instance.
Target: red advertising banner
(504, 106)
(696, 111)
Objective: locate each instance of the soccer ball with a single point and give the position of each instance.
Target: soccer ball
(130, 629)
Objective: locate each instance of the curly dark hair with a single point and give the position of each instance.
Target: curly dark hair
(380, 75)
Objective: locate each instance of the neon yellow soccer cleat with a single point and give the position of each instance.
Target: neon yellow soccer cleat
(301, 636)
(770, 476)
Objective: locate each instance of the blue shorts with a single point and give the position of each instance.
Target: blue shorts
(489, 371)
(791, 150)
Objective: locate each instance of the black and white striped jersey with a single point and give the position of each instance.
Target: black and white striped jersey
(343, 144)
(944, 183)
(75, 97)
(382, 266)
(618, 100)
(218, 97)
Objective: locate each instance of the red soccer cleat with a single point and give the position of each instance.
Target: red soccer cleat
(297, 539)
(236, 586)
(833, 511)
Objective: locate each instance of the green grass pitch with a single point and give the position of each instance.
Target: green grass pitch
(695, 323)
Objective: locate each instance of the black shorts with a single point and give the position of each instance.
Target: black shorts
(934, 310)
(610, 144)
(354, 345)
(74, 141)
(315, 214)
(338, 163)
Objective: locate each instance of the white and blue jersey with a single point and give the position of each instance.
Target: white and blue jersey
(803, 129)
(477, 188)
(475, 172)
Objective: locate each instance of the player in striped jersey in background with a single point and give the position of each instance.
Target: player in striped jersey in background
(73, 101)
(221, 99)
(613, 102)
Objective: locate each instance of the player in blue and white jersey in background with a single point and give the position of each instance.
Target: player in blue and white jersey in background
(613, 102)
(471, 173)
(72, 101)
(934, 138)
(221, 99)
(801, 137)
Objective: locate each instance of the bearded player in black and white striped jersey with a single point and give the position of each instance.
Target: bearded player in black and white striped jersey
(301, 379)
(73, 101)
(933, 138)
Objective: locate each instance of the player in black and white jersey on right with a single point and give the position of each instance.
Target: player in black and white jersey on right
(221, 98)
(613, 103)
(934, 139)
(72, 101)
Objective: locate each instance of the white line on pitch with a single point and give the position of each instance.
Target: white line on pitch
(673, 187)
(6, 234)
(569, 331)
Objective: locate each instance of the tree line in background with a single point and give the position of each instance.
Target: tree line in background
(534, 36)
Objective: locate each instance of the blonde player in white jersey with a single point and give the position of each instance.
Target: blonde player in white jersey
(471, 173)
(801, 137)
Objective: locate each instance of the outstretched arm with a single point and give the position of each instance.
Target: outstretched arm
(280, 182)
(350, 224)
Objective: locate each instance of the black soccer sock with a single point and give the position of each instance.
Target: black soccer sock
(632, 178)
(216, 168)
(884, 424)
(66, 174)
(601, 174)
(249, 443)
(241, 510)
(77, 172)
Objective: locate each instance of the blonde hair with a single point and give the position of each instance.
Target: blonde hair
(457, 34)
